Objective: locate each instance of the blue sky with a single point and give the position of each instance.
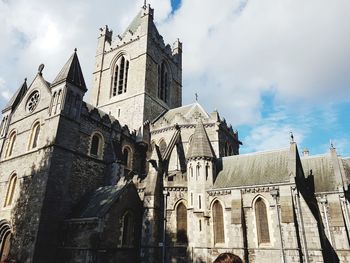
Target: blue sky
(268, 67)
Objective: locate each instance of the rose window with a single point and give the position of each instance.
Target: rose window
(33, 101)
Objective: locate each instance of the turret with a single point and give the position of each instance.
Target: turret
(68, 89)
(200, 176)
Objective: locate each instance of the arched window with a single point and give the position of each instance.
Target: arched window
(53, 103)
(11, 144)
(206, 171)
(191, 170)
(120, 77)
(127, 157)
(218, 218)
(262, 224)
(128, 230)
(58, 103)
(197, 171)
(163, 88)
(11, 188)
(162, 146)
(5, 240)
(96, 145)
(33, 139)
(181, 223)
(3, 126)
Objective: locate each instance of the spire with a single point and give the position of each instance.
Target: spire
(17, 97)
(71, 72)
(200, 145)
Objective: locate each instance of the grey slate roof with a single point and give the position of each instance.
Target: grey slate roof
(134, 25)
(200, 145)
(186, 111)
(99, 202)
(17, 97)
(322, 170)
(71, 72)
(253, 169)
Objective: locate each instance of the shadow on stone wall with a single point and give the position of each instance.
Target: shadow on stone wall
(25, 215)
(307, 190)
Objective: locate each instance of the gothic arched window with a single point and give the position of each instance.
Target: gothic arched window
(96, 145)
(262, 223)
(218, 218)
(181, 223)
(11, 188)
(11, 144)
(197, 171)
(162, 146)
(127, 157)
(163, 85)
(33, 139)
(206, 171)
(128, 230)
(120, 76)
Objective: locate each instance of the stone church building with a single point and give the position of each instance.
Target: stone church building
(135, 176)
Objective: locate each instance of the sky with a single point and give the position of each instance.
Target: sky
(269, 67)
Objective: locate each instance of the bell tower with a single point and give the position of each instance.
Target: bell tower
(136, 75)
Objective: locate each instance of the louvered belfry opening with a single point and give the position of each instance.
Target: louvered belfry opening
(218, 218)
(261, 221)
(181, 223)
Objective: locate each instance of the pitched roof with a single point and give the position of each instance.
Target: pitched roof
(17, 97)
(134, 25)
(253, 169)
(322, 170)
(200, 145)
(71, 72)
(98, 203)
(187, 112)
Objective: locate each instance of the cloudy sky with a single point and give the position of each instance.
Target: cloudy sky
(269, 67)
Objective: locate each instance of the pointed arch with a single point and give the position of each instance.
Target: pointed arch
(198, 166)
(163, 82)
(34, 135)
(120, 75)
(127, 157)
(218, 222)
(162, 146)
(11, 143)
(181, 223)
(128, 229)
(11, 189)
(262, 224)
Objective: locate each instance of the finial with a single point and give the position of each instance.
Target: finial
(291, 137)
(75, 50)
(196, 95)
(331, 145)
(145, 3)
(25, 79)
(41, 68)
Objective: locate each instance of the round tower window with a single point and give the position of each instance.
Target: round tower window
(33, 101)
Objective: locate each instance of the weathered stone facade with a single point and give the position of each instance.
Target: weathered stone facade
(138, 177)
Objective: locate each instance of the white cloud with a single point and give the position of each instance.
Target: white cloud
(234, 50)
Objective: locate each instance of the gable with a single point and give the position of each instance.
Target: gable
(39, 86)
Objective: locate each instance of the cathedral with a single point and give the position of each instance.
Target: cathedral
(135, 176)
